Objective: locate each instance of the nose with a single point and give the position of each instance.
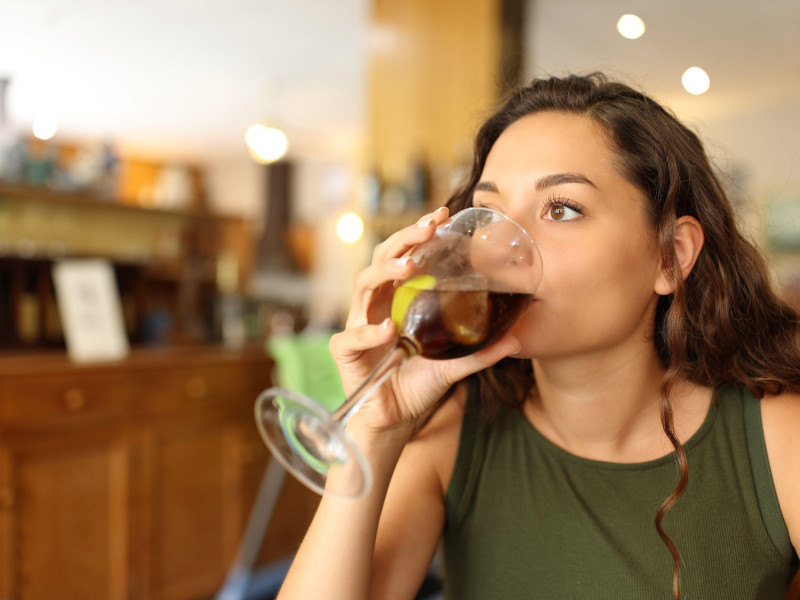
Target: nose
(535, 258)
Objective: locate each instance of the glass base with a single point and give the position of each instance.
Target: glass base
(311, 445)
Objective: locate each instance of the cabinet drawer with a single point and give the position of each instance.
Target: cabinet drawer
(218, 386)
(31, 402)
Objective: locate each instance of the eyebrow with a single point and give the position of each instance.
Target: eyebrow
(486, 186)
(562, 178)
(544, 182)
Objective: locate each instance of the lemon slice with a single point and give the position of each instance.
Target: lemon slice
(404, 295)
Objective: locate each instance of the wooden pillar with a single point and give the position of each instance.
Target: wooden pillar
(438, 67)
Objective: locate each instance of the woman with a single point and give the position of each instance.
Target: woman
(549, 470)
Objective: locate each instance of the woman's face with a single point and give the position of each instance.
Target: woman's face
(555, 174)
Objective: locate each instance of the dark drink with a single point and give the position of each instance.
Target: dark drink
(442, 310)
(452, 323)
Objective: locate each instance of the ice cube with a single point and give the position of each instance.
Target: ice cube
(466, 315)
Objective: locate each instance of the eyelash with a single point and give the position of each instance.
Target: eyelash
(560, 201)
(486, 205)
(551, 202)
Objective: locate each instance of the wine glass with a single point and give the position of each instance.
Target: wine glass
(470, 283)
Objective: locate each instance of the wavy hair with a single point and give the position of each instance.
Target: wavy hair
(724, 323)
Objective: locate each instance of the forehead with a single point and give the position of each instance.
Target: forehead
(545, 147)
(553, 140)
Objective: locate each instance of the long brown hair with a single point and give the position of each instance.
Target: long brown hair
(724, 323)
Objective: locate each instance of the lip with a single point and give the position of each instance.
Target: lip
(534, 301)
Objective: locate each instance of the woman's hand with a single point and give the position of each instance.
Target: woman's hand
(411, 392)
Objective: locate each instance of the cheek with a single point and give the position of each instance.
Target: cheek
(590, 296)
(618, 264)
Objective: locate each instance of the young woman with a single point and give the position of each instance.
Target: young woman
(633, 437)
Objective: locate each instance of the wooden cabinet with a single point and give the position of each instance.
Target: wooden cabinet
(64, 518)
(134, 479)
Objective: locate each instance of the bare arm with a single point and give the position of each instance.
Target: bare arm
(381, 546)
(335, 558)
(414, 513)
(781, 419)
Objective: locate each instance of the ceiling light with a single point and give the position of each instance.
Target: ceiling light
(349, 228)
(266, 144)
(630, 26)
(695, 81)
(45, 127)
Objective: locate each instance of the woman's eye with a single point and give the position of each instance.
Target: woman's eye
(557, 211)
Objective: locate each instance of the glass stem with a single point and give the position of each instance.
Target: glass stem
(388, 364)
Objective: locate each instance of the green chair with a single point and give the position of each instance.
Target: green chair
(304, 365)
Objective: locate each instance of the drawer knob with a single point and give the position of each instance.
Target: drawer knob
(196, 388)
(74, 399)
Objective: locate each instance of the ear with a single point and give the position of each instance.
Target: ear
(689, 239)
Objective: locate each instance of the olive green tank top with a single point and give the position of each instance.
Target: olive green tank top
(526, 519)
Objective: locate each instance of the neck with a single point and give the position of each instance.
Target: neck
(607, 408)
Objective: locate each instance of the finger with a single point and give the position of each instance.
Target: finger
(459, 368)
(386, 266)
(368, 282)
(383, 272)
(403, 240)
(352, 342)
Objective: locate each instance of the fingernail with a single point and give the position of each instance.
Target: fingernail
(426, 223)
(386, 323)
(403, 261)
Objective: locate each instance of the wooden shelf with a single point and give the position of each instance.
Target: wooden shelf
(166, 262)
(83, 199)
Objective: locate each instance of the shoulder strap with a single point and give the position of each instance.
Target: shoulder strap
(468, 459)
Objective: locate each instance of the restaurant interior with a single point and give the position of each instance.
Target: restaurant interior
(183, 185)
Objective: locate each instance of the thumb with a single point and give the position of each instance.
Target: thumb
(459, 368)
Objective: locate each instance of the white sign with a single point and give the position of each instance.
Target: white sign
(91, 314)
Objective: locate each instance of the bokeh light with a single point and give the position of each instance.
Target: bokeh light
(695, 81)
(45, 127)
(266, 144)
(631, 27)
(349, 228)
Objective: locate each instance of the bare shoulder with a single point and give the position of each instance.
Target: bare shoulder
(781, 417)
(781, 420)
(438, 440)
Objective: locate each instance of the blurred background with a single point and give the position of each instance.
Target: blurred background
(234, 164)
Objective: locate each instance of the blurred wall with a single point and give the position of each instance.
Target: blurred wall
(749, 119)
